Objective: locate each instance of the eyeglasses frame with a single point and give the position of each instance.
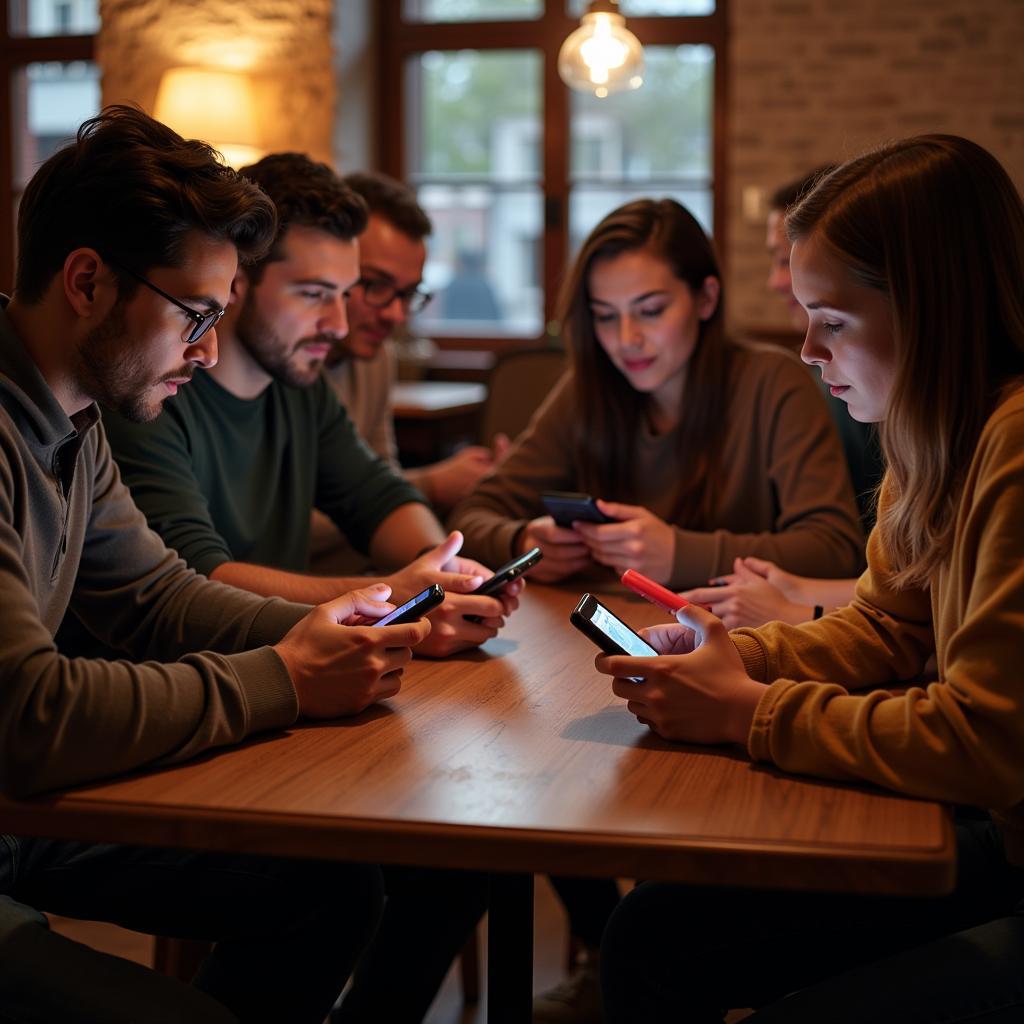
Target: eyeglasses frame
(407, 296)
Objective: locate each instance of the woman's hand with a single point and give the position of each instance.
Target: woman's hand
(696, 690)
(638, 540)
(564, 551)
(748, 598)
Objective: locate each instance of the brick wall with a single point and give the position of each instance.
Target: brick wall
(285, 45)
(813, 81)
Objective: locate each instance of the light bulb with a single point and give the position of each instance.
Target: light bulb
(602, 55)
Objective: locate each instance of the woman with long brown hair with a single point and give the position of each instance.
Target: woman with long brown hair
(910, 263)
(697, 448)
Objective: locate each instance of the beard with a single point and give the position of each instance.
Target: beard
(112, 370)
(272, 353)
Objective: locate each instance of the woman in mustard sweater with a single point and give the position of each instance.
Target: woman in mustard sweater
(699, 449)
(910, 263)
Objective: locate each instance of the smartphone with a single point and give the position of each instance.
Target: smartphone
(506, 574)
(608, 631)
(415, 608)
(654, 592)
(567, 507)
(509, 571)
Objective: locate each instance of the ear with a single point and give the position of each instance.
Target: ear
(707, 297)
(239, 287)
(89, 287)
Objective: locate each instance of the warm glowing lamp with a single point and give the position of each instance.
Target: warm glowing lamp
(602, 55)
(212, 105)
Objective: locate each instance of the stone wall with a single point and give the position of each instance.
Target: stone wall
(284, 44)
(813, 81)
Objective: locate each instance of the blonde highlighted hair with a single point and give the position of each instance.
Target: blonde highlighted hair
(935, 223)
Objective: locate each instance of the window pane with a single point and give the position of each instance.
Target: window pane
(50, 101)
(661, 130)
(53, 17)
(474, 155)
(588, 204)
(471, 10)
(650, 8)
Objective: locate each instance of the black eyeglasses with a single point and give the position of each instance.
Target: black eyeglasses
(379, 292)
(201, 322)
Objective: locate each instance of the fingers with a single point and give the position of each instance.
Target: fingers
(606, 534)
(447, 549)
(408, 634)
(617, 510)
(704, 623)
(760, 566)
(471, 604)
(708, 595)
(500, 446)
(371, 602)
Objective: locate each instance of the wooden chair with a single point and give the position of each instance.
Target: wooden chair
(518, 382)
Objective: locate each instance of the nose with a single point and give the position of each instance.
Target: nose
(813, 352)
(630, 334)
(395, 312)
(334, 319)
(203, 352)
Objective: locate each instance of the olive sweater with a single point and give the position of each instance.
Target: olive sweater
(71, 538)
(960, 739)
(784, 489)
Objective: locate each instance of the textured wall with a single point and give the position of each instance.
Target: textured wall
(284, 44)
(818, 80)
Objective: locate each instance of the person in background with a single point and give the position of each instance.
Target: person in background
(917, 321)
(229, 473)
(128, 240)
(757, 590)
(360, 366)
(699, 449)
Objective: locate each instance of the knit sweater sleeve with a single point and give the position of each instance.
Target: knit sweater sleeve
(492, 517)
(959, 739)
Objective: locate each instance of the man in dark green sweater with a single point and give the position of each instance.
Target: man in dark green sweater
(128, 240)
(229, 474)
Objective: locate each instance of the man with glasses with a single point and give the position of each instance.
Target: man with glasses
(128, 241)
(392, 252)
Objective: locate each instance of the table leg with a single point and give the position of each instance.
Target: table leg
(510, 949)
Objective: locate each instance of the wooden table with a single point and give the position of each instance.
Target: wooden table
(518, 759)
(432, 418)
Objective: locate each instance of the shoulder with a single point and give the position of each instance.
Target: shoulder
(1002, 437)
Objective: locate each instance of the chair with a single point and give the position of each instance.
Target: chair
(518, 382)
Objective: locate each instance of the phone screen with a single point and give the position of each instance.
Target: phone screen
(618, 631)
(429, 598)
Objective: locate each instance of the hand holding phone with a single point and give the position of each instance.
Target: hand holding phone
(568, 507)
(608, 631)
(415, 608)
(510, 571)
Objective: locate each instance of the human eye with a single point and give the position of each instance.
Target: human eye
(652, 312)
(831, 327)
(601, 316)
(313, 294)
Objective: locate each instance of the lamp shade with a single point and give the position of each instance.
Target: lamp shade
(212, 105)
(602, 55)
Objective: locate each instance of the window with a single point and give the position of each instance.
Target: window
(48, 86)
(514, 168)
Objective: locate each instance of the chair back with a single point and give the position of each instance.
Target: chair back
(517, 384)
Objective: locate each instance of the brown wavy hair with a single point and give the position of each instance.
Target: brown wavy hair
(611, 411)
(936, 225)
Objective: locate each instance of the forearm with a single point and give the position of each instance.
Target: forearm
(421, 478)
(403, 535)
(292, 586)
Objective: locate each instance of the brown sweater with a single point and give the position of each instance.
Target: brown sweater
(785, 491)
(960, 739)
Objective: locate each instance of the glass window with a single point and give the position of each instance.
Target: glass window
(474, 158)
(471, 10)
(53, 17)
(51, 101)
(649, 8)
(655, 140)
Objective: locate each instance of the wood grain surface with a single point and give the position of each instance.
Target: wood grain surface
(518, 757)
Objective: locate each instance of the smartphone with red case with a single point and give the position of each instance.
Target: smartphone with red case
(653, 592)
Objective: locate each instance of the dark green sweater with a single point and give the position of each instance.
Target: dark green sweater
(225, 479)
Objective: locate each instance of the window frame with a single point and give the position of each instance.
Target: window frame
(16, 53)
(398, 40)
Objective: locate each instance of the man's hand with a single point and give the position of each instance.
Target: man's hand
(338, 665)
(747, 598)
(696, 690)
(638, 540)
(564, 551)
(452, 632)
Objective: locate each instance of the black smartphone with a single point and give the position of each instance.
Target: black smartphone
(415, 608)
(608, 631)
(567, 507)
(508, 572)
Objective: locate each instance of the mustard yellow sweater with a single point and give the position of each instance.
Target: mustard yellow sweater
(960, 739)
